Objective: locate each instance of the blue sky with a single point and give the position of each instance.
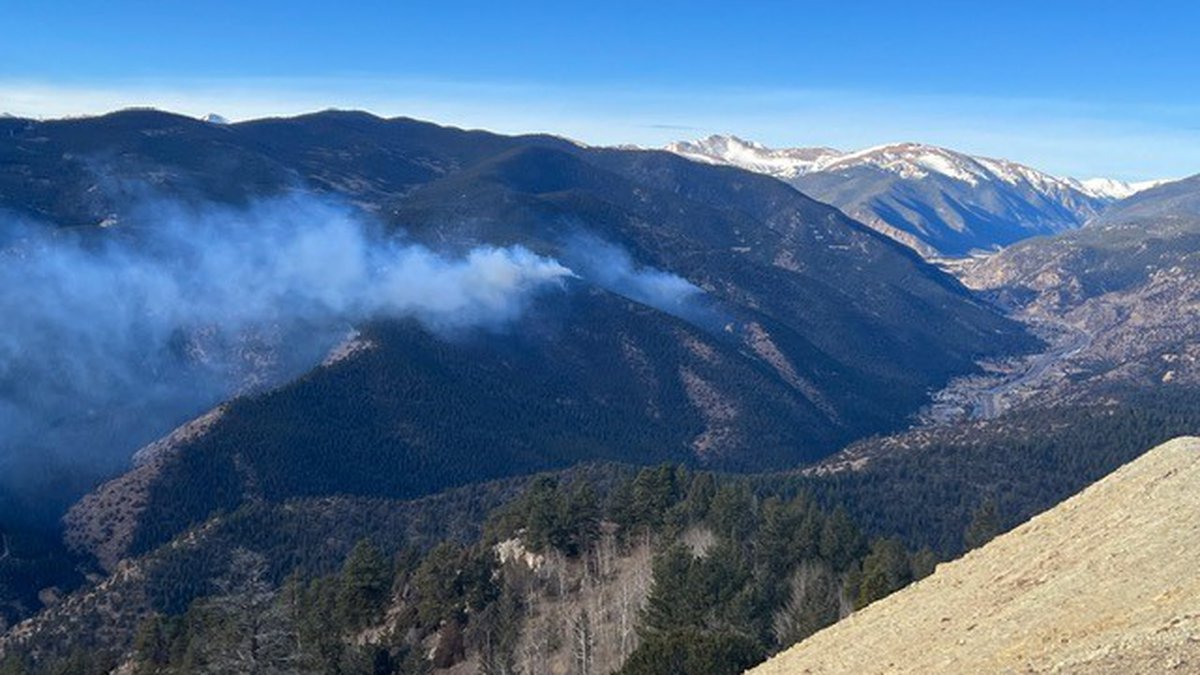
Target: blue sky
(1075, 88)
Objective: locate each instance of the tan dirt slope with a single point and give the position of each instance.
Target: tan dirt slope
(1106, 582)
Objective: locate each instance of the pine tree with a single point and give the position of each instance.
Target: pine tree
(670, 603)
(841, 542)
(495, 632)
(924, 562)
(436, 584)
(984, 526)
(885, 569)
(544, 511)
(732, 512)
(773, 544)
(692, 651)
(366, 583)
(655, 491)
(581, 519)
(700, 495)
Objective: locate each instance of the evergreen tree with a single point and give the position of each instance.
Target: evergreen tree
(581, 519)
(317, 621)
(924, 562)
(544, 510)
(732, 512)
(700, 495)
(655, 491)
(495, 632)
(984, 526)
(841, 543)
(774, 548)
(436, 584)
(692, 651)
(366, 583)
(476, 582)
(885, 569)
(671, 603)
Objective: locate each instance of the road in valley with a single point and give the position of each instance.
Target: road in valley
(988, 402)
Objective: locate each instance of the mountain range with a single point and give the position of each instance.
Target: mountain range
(938, 201)
(798, 330)
(339, 393)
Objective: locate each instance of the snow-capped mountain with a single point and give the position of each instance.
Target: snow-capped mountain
(1111, 188)
(938, 201)
(909, 160)
(782, 163)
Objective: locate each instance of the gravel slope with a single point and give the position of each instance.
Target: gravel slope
(1106, 582)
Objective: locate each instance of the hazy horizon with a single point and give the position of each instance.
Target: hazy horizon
(1072, 89)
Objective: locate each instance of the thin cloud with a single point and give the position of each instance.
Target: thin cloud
(672, 127)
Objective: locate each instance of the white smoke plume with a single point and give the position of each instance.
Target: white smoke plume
(612, 268)
(109, 338)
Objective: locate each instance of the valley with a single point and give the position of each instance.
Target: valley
(538, 338)
(1011, 382)
(991, 401)
(623, 380)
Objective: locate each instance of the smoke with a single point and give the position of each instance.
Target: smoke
(613, 269)
(111, 337)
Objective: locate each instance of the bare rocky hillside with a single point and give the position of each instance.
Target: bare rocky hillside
(1104, 583)
(1124, 292)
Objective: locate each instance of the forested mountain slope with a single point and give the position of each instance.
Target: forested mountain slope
(785, 329)
(854, 325)
(602, 568)
(804, 536)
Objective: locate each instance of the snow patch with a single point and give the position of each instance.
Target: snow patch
(1111, 188)
(910, 161)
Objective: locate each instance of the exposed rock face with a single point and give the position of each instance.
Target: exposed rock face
(1130, 281)
(1104, 583)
